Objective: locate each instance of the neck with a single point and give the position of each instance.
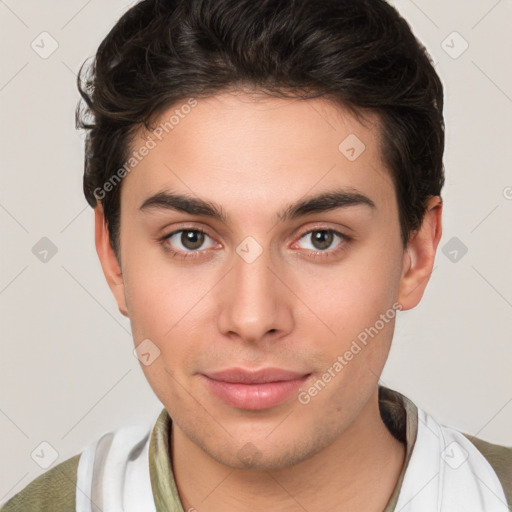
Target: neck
(357, 472)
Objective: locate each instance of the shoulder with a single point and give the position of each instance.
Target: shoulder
(128, 445)
(500, 458)
(53, 491)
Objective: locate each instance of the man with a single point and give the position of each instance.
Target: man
(266, 179)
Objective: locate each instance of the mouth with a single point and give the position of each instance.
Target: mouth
(254, 390)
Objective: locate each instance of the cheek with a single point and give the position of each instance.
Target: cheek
(347, 302)
(350, 296)
(169, 305)
(156, 292)
(161, 310)
(149, 305)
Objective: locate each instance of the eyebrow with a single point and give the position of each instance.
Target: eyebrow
(327, 201)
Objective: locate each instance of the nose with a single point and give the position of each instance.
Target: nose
(254, 303)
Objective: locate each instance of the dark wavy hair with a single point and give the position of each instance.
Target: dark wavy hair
(360, 54)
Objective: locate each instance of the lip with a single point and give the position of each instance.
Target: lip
(262, 376)
(254, 390)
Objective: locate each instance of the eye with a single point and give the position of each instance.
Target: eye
(187, 241)
(322, 239)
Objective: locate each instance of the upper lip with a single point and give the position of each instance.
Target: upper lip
(262, 376)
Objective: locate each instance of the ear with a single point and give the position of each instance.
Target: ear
(108, 259)
(420, 254)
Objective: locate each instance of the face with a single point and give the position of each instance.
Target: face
(247, 280)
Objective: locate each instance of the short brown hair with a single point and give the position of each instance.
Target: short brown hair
(360, 53)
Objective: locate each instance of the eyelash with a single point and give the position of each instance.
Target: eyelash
(345, 240)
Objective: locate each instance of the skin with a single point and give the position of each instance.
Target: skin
(254, 156)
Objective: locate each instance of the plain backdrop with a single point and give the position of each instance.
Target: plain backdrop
(67, 370)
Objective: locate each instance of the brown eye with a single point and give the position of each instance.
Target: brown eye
(192, 239)
(186, 242)
(322, 241)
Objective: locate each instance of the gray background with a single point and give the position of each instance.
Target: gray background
(67, 371)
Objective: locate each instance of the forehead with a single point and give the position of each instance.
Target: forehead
(255, 151)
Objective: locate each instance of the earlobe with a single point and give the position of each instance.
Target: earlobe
(419, 256)
(108, 259)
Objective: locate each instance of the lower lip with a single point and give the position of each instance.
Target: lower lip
(254, 396)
